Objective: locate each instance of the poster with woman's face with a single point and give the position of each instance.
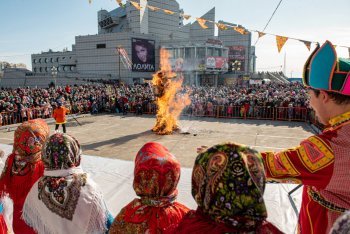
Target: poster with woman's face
(143, 55)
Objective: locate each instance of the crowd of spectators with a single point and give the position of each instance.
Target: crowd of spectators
(17, 105)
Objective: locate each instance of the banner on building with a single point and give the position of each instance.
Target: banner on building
(143, 55)
(186, 65)
(217, 63)
(123, 55)
(236, 58)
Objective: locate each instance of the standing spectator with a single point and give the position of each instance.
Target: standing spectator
(59, 115)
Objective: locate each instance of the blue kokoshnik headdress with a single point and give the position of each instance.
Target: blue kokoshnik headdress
(324, 71)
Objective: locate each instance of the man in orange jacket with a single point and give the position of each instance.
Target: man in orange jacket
(59, 115)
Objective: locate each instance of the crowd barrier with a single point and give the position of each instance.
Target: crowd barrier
(300, 114)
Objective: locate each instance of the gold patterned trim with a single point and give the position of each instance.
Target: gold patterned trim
(317, 144)
(340, 119)
(288, 169)
(323, 202)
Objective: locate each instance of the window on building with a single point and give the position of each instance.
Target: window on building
(210, 51)
(217, 52)
(176, 52)
(181, 53)
(51, 59)
(57, 59)
(171, 53)
(100, 46)
(200, 52)
(39, 60)
(40, 69)
(34, 69)
(46, 60)
(189, 53)
(34, 60)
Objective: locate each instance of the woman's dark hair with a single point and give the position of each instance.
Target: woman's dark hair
(336, 97)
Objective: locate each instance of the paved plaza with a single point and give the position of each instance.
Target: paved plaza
(116, 136)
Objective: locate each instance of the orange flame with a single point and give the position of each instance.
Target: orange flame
(170, 103)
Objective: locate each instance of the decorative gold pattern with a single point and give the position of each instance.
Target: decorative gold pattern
(119, 226)
(340, 119)
(315, 154)
(281, 165)
(323, 202)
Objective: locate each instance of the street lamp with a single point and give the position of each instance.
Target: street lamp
(54, 74)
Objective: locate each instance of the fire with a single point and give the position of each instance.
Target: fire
(166, 86)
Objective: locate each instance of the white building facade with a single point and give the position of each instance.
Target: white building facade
(96, 56)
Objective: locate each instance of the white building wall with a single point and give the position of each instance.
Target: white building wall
(105, 61)
(197, 33)
(232, 38)
(86, 60)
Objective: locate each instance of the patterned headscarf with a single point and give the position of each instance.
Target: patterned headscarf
(228, 183)
(342, 225)
(156, 175)
(61, 151)
(65, 195)
(29, 139)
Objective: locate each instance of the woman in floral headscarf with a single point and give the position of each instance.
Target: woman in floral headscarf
(342, 224)
(228, 183)
(156, 175)
(65, 200)
(24, 167)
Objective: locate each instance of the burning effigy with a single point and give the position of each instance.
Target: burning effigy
(169, 99)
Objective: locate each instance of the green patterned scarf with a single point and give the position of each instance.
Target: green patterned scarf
(228, 183)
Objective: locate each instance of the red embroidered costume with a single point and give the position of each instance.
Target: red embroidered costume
(321, 162)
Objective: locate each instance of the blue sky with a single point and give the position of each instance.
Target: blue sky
(32, 26)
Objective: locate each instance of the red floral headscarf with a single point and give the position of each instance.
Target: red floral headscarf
(156, 175)
(30, 137)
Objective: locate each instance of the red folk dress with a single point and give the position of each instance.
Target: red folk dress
(23, 168)
(321, 163)
(156, 211)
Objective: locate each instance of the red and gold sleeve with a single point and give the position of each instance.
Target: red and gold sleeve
(311, 163)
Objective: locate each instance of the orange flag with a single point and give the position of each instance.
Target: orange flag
(261, 34)
(221, 26)
(185, 16)
(280, 42)
(136, 5)
(307, 44)
(201, 23)
(153, 8)
(169, 12)
(120, 3)
(240, 30)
